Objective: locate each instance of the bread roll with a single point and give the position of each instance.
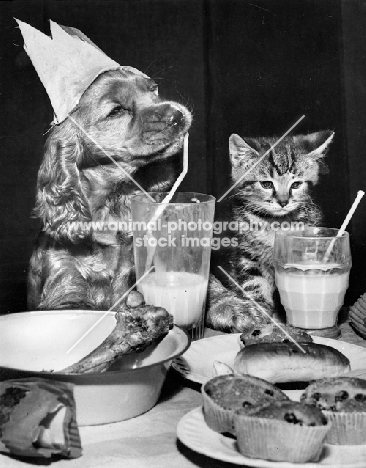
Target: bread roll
(285, 362)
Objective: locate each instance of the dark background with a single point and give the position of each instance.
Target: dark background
(242, 66)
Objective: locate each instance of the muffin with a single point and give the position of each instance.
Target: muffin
(271, 333)
(224, 394)
(343, 401)
(282, 431)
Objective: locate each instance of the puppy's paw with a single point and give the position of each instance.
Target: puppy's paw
(236, 315)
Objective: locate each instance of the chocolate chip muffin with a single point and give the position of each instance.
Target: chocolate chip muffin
(271, 333)
(282, 431)
(224, 394)
(291, 412)
(336, 394)
(343, 401)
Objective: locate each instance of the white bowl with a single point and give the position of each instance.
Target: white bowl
(32, 344)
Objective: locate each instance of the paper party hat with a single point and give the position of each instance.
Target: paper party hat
(66, 63)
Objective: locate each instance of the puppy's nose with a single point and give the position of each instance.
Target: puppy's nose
(176, 118)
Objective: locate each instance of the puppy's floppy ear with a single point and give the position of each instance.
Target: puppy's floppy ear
(61, 203)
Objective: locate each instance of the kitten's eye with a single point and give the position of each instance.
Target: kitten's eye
(266, 184)
(118, 110)
(296, 185)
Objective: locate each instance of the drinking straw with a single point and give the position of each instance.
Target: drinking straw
(177, 183)
(167, 199)
(342, 229)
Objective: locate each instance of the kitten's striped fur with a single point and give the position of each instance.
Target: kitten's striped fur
(275, 190)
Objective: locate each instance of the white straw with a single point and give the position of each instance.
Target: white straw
(177, 183)
(342, 229)
(167, 199)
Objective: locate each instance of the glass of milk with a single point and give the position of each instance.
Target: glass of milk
(173, 241)
(311, 272)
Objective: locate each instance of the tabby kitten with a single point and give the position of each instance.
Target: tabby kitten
(275, 189)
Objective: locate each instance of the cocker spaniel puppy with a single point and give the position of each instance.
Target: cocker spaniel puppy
(120, 117)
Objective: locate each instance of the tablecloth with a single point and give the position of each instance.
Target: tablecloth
(149, 440)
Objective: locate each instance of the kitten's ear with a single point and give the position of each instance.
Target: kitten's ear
(239, 150)
(317, 144)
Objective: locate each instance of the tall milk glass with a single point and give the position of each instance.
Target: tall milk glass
(174, 241)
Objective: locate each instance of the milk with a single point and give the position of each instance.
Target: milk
(182, 294)
(312, 295)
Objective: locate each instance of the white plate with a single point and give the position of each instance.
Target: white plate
(195, 434)
(196, 364)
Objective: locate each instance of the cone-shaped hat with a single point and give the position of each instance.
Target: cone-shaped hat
(66, 64)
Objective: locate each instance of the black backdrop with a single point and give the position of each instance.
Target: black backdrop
(245, 67)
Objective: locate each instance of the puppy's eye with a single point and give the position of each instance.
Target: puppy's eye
(118, 110)
(154, 88)
(267, 184)
(296, 185)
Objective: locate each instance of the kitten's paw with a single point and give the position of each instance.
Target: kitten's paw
(235, 315)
